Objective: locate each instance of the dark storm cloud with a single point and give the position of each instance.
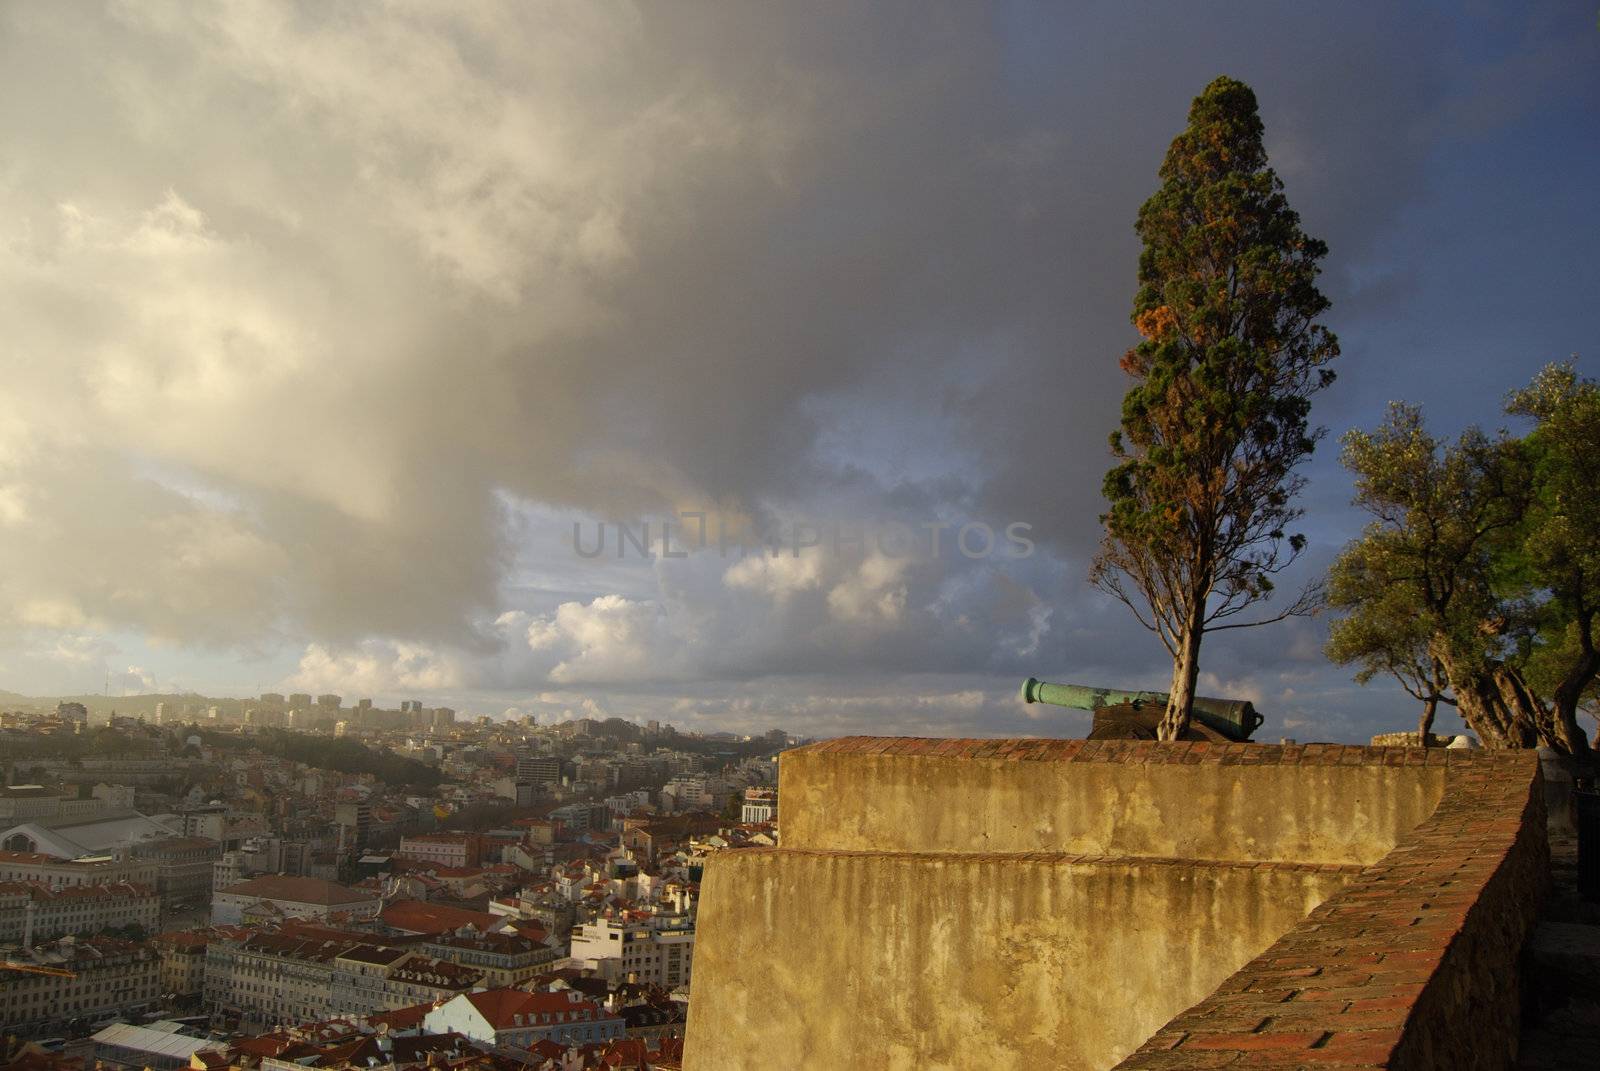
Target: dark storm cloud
(348, 309)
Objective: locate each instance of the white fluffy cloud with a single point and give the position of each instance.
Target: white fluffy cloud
(378, 668)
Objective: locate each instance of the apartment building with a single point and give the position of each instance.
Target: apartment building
(19, 803)
(305, 975)
(505, 959)
(628, 950)
(183, 963)
(760, 805)
(442, 849)
(57, 872)
(31, 911)
(77, 980)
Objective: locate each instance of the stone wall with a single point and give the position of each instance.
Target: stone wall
(1010, 904)
(944, 958)
(1414, 965)
(1317, 803)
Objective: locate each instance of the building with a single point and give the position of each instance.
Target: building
(442, 849)
(300, 975)
(183, 963)
(652, 837)
(21, 802)
(73, 836)
(209, 820)
(538, 769)
(31, 911)
(182, 865)
(505, 959)
(687, 793)
(227, 870)
(56, 873)
(515, 1018)
(183, 870)
(90, 979)
(634, 951)
(760, 805)
(138, 1047)
(444, 718)
(291, 897)
(354, 820)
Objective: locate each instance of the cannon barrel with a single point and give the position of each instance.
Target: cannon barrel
(1234, 718)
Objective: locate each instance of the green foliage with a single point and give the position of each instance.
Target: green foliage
(1424, 568)
(336, 753)
(1216, 422)
(1492, 546)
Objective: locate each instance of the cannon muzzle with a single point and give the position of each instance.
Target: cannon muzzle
(1234, 718)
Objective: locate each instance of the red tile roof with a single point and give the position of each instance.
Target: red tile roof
(298, 890)
(418, 916)
(502, 1007)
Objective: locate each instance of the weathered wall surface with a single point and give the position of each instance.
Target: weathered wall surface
(832, 960)
(1413, 967)
(990, 904)
(1103, 798)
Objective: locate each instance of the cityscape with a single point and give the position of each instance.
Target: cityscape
(297, 879)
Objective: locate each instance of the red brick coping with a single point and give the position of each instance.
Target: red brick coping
(1136, 752)
(1413, 965)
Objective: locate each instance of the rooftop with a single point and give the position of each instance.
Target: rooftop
(298, 890)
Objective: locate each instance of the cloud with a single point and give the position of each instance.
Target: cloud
(321, 329)
(609, 639)
(137, 679)
(377, 668)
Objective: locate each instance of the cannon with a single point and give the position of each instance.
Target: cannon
(1235, 719)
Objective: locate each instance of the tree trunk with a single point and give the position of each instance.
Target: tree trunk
(1425, 725)
(1482, 706)
(1185, 670)
(1567, 696)
(1497, 704)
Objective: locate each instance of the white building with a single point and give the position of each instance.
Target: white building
(516, 1018)
(760, 805)
(622, 951)
(687, 794)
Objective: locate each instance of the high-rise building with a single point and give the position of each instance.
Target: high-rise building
(443, 718)
(538, 769)
(300, 699)
(329, 701)
(271, 699)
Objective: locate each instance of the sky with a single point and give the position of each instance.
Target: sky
(328, 329)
